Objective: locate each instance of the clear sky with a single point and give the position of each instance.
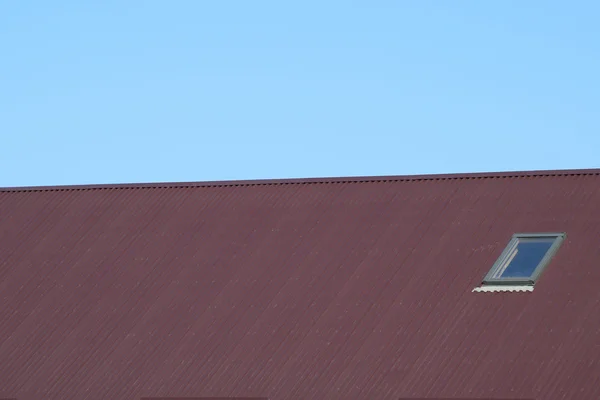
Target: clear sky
(122, 91)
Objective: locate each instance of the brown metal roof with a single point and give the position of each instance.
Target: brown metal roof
(353, 288)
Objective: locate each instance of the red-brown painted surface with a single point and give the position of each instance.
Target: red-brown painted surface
(324, 289)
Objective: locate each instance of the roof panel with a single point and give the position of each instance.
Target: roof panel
(327, 288)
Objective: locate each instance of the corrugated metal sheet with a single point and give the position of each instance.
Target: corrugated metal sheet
(325, 289)
(503, 288)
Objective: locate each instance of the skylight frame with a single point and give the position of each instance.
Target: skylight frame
(490, 280)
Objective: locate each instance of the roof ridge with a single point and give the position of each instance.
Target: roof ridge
(306, 181)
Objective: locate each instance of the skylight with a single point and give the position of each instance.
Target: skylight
(523, 260)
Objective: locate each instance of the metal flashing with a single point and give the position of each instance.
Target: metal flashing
(504, 288)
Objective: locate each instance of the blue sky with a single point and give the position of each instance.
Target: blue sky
(152, 91)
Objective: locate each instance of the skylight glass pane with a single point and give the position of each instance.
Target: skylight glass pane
(524, 259)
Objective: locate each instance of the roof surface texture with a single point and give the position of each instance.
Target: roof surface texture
(322, 289)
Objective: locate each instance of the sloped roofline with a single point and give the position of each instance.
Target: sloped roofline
(303, 181)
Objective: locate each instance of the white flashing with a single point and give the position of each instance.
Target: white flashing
(504, 288)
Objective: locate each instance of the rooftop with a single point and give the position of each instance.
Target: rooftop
(298, 289)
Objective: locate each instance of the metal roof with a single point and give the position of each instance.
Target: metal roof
(342, 288)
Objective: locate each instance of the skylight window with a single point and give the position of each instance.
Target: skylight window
(523, 260)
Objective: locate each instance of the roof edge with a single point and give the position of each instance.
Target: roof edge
(296, 181)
